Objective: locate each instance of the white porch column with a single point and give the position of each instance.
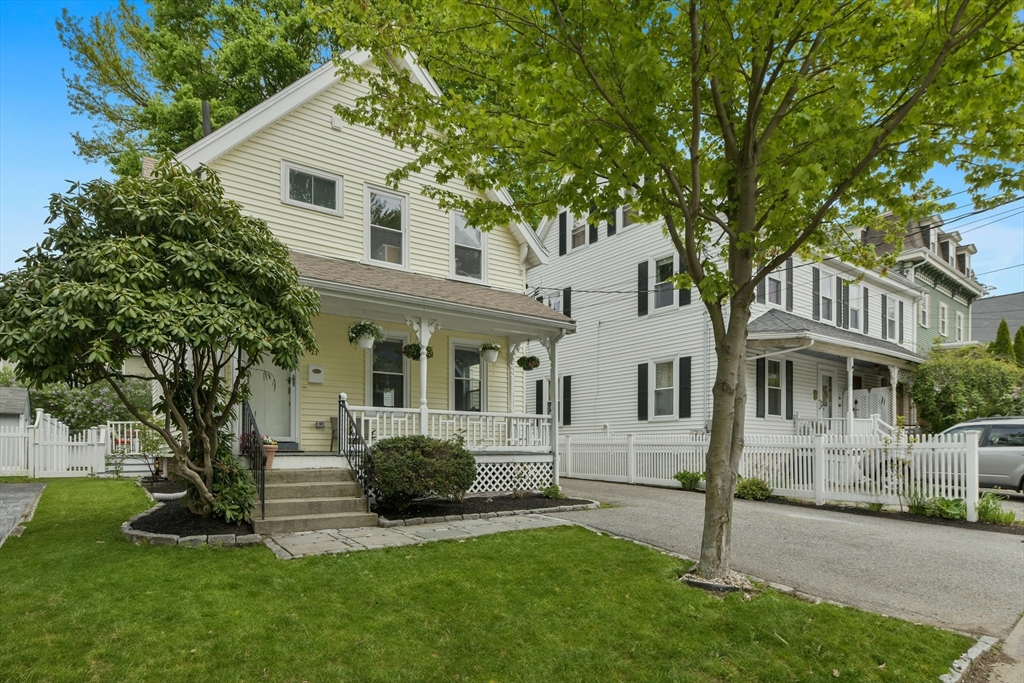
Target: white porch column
(849, 395)
(551, 344)
(894, 376)
(423, 329)
(513, 349)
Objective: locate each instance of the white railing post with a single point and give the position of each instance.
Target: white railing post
(568, 456)
(971, 495)
(819, 469)
(630, 459)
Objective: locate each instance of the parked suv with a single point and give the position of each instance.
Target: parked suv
(1000, 450)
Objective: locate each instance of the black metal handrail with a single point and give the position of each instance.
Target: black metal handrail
(352, 445)
(250, 444)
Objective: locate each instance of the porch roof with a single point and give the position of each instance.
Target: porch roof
(780, 329)
(397, 285)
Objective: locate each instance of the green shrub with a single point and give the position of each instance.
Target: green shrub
(404, 468)
(553, 491)
(232, 485)
(947, 508)
(990, 509)
(753, 488)
(688, 480)
(876, 506)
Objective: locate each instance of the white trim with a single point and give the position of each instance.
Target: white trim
(406, 370)
(466, 344)
(778, 277)
(451, 253)
(652, 289)
(782, 389)
(339, 188)
(958, 328)
(404, 198)
(924, 313)
(652, 396)
(943, 320)
(827, 291)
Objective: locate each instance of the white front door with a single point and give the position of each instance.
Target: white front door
(826, 394)
(272, 400)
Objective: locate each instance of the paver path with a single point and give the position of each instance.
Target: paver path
(971, 580)
(14, 500)
(304, 543)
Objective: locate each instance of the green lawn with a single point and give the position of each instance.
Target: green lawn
(78, 603)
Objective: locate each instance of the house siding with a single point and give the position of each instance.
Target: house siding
(929, 336)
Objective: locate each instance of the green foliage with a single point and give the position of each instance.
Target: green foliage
(553, 491)
(490, 346)
(753, 488)
(688, 480)
(962, 384)
(876, 506)
(947, 508)
(233, 486)
(1018, 346)
(528, 362)
(142, 79)
(412, 351)
(1002, 347)
(990, 509)
(917, 502)
(404, 468)
(365, 328)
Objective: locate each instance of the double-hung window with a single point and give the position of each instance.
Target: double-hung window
(959, 326)
(387, 221)
(890, 318)
(579, 234)
(664, 389)
(388, 374)
(310, 188)
(468, 379)
(467, 249)
(627, 216)
(773, 381)
(827, 290)
(943, 320)
(774, 289)
(926, 302)
(855, 304)
(664, 290)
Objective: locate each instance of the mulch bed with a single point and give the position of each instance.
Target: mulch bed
(1015, 530)
(162, 486)
(175, 518)
(478, 504)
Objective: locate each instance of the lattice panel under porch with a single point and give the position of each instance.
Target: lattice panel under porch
(512, 476)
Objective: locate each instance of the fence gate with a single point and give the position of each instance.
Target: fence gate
(48, 449)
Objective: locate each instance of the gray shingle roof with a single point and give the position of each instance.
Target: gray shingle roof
(776, 321)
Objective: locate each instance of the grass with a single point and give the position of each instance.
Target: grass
(82, 604)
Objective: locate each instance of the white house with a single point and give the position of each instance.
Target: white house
(828, 342)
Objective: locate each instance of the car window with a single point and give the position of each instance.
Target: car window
(1006, 435)
(969, 428)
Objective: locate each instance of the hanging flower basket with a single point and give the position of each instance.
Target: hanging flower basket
(365, 334)
(528, 362)
(490, 351)
(412, 351)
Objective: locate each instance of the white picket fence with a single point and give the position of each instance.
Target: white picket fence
(862, 469)
(47, 448)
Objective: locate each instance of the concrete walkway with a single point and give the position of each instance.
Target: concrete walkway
(15, 499)
(304, 543)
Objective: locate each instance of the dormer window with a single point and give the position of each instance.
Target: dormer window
(310, 188)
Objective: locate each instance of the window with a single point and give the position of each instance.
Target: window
(774, 290)
(468, 249)
(855, 303)
(943, 319)
(386, 219)
(311, 189)
(579, 235)
(1005, 435)
(627, 216)
(664, 290)
(826, 288)
(388, 375)
(468, 379)
(959, 326)
(774, 384)
(664, 390)
(554, 300)
(890, 318)
(926, 302)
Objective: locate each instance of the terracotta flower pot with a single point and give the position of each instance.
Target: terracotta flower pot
(270, 451)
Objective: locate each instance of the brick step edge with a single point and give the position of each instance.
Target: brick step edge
(141, 537)
(416, 521)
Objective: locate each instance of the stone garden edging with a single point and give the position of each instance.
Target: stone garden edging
(140, 537)
(415, 521)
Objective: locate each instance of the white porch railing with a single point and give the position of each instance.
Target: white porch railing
(482, 431)
(125, 436)
(840, 426)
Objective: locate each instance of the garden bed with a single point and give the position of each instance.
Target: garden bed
(177, 520)
(475, 505)
(161, 485)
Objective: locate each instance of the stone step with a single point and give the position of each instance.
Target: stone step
(344, 520)
(336, 489)
(291, 507)
(297, 476)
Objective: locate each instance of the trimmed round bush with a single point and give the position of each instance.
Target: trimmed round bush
(753, 488)
(404, 468)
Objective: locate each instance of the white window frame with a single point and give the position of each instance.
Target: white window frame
(856, 305)
(891, 328)
(654, 308)
(776, 278)
(451, 253)
(369, 189)
(653, 391)
(768, 389)
(406, 363)
(621, 217)
(470, 344)
(925, 310)
(943, 320)
(959, 330)
(575, 225)
(826, 291)
(339, 188)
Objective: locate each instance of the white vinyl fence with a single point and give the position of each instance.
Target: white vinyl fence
(868, 469)
(46, 448)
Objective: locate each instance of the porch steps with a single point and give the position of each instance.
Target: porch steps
(311, 500)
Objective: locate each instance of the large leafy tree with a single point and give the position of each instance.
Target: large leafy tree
(751, 131)
(167, 270)
(142, 76)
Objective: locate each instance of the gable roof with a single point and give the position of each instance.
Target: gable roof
(232, 134)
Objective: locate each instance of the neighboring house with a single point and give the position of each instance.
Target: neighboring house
(391, 256)
(15, 407)
(643, 358)
(987, 313)
(938, 262)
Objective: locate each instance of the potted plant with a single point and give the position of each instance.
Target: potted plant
(365, 334)
(270, 448)
(528, 362)
(412, 351)
(489, 351)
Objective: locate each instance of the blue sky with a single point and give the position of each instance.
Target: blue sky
(37, 153)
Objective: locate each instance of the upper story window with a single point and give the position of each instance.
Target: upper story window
(775, 289)
(826, 289)
(554, 300)
(926, 302)
(664, 290)
(579, 234)
(664, 389)
(890, 318)
(386, 223)
(943, 320)
(310, 188)
(959, 326)
(855, 304)
(627, 216)
(467, 249)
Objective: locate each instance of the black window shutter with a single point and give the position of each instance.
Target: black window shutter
(760, 292)
(592, 221)
(789, 284)
(611, 222)
(901, 321)
(641, 287)
(885, 307)
(789, 390)
(846, 305)
(684, 296)
(562, 237)
(567, 400)
(567, 302)
(684, 386)
(760, 387)
(839, 301)
(864, 313)
(815, 293)
(641, 392)
(539, 397)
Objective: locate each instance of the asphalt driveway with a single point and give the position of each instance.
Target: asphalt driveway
(14, 500)
(970, 580)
